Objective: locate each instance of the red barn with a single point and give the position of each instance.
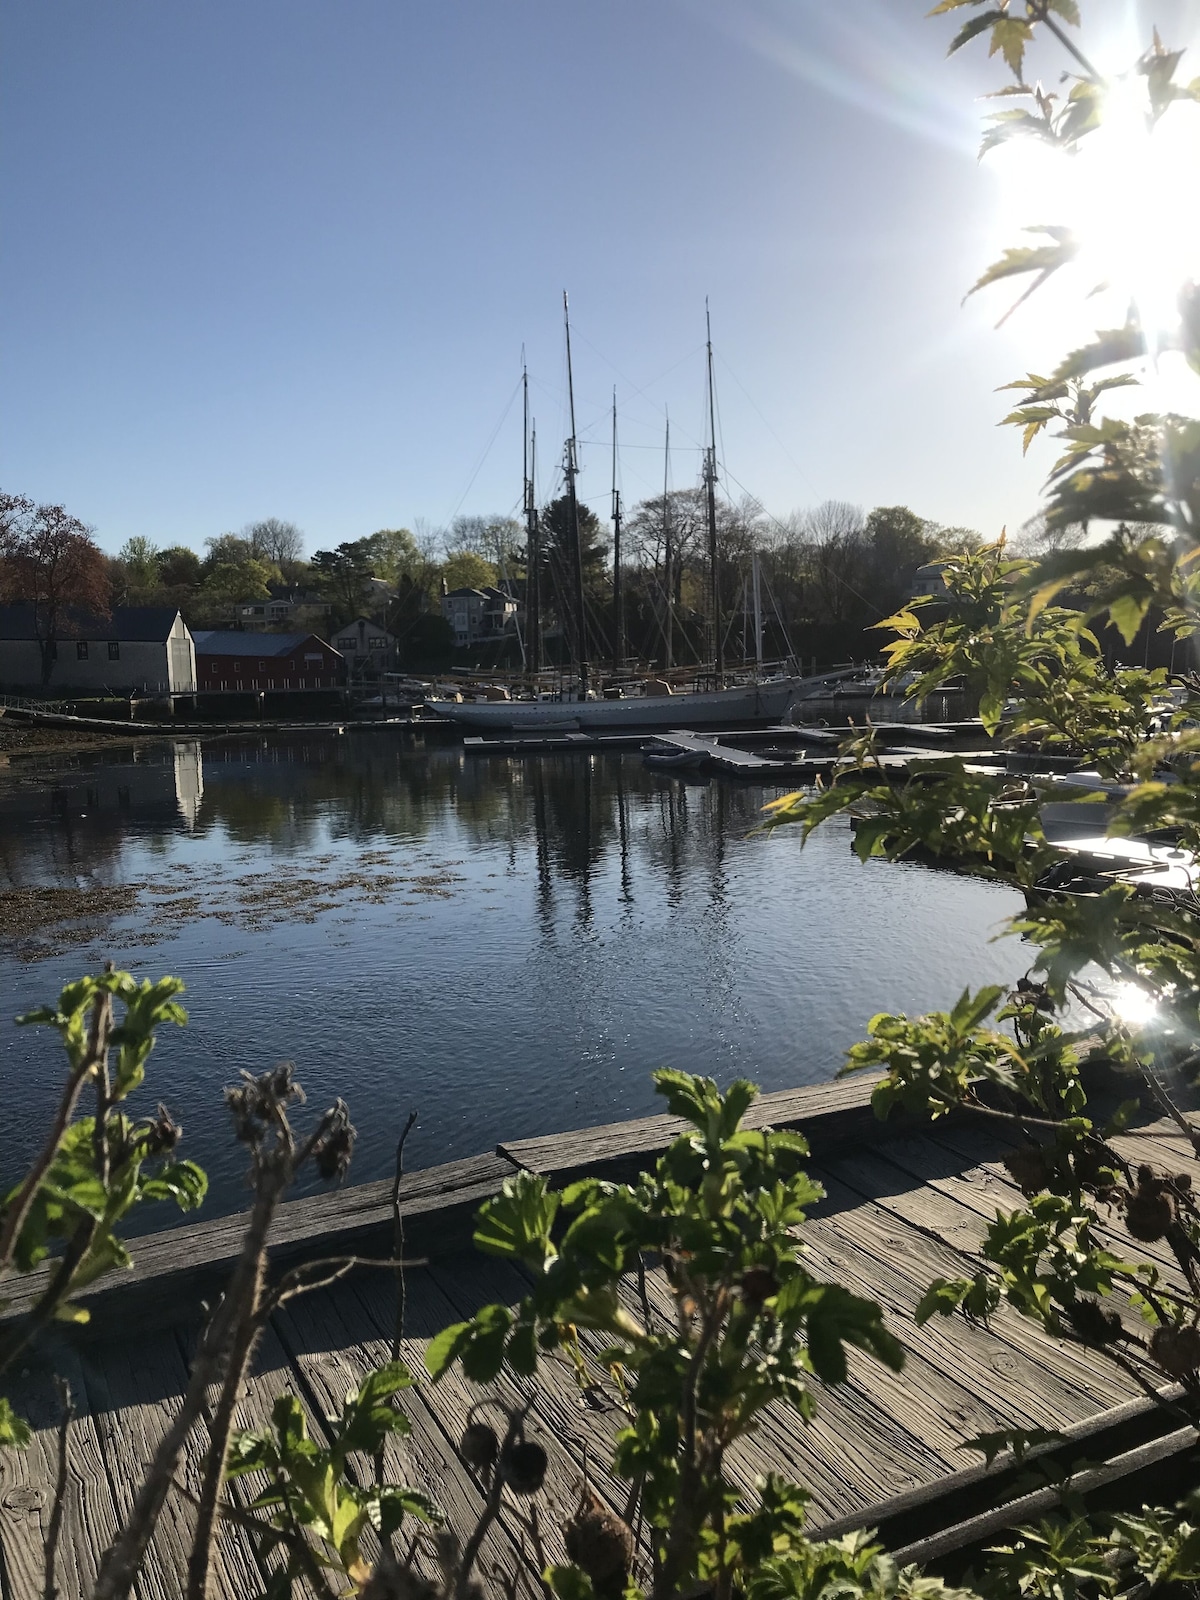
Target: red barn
(227, 663)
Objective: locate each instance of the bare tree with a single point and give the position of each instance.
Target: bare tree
(1038, 538)
(836, 539)
(280, 543)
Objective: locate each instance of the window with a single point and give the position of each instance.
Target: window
(346, 644)
(114, 650)
(81, 650)
(376, 643)
(237, 667)
(262, 666)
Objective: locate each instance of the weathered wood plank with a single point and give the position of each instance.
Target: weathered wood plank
(332, 1341)
(1012, 1349)
(455, 1399)
(970, 1170)
(270, 1376)
(27, 1479)
(853, 1452)
(175, 1272)
(581, 1428)
(135, 1388)
(829, 1113)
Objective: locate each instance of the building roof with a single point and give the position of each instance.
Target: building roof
(129, 624)
(364, 625)
(221, 642)
(465, 594)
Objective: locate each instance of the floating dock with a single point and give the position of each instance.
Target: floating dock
(904, 1204)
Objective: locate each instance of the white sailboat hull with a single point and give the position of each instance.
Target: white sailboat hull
(716, 708)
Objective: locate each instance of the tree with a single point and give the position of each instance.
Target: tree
(134, 571)
(228, 582)
(900, 542)
(279, 544)
(496, 538)
(393, 554)
(178, 568)
(835, 535)
(466, 570)
(344, 576)
(49, 561)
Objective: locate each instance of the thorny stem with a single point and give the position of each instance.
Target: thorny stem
(401, 1286)
(124, 1556)
(18, 1211)
(273, 1176)
(50, 1588)
(681, 1535)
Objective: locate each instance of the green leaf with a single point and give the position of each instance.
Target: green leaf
(1128, 611)
(15, 1432)
(569, 1583)
(444, 1349)
(517, 1223)
(972, 28)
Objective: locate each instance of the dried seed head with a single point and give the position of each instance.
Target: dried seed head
(1029, 1167)
(255, 1102)
(598, 1541)
(758, 1284)
(480, 1446)
(163, 1134)
(334, 1151)
(1183, 1181)
(1149, 1211)
(1177, 1350)
(523, 1467)
(390, 1581)
(1093, 1323)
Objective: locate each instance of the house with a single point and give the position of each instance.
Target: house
(368, 647)
(929, 579)
(477, 615)
(135, 649)
(281, 607)
(233, 663)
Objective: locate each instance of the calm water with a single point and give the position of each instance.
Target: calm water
(510, 946)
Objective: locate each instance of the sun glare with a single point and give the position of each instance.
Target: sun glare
(1127, 193)
(1132, 1004)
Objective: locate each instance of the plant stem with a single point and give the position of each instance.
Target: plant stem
(124, 1556)
(247, 1325)
(50, 1588)
(18, 1211)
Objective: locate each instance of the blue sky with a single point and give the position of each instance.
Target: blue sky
(280, 257)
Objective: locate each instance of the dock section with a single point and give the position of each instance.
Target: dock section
(903, 1205)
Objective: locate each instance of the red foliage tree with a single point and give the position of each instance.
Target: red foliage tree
(49, 560)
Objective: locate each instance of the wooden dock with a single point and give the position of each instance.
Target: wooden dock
(903, 1205)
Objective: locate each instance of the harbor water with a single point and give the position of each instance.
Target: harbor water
(507, 945)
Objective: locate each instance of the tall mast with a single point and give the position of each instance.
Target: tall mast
(570, 470)
(756, 579)
(618, 596)
(533, 553)
(710, 484)
(667, 553)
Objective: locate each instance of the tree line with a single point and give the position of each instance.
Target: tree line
(827, 575)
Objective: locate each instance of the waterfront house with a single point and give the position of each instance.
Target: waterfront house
(367, 647)
(477, 615)
(281, 607)
(929, 579)
(233, 663)
(145, 650)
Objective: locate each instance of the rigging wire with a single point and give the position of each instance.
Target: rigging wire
(487, 450)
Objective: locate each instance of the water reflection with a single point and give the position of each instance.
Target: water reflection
(509, 944)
